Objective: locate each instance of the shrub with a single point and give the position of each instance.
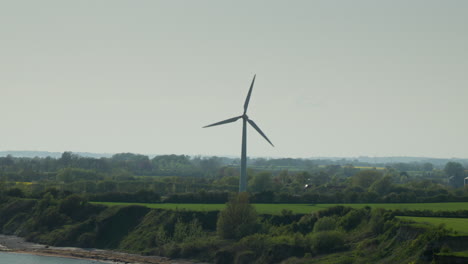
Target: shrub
(223, 257)
(187, 231)
(87, 240)
(238, 220)
(13, 225)
(325, 224)
(245, 257)
(306, 224)
(202, 249)
(327, 241)
(9, 209)
(15, 192)
(73, 206)
(50, 218)
(352, 219)
(273, 249)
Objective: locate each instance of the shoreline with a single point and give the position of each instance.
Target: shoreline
(15, 244)
(60, 255)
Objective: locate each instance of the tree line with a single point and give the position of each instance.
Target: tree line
(211, 179)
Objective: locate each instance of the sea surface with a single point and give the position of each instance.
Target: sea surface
(15, 258)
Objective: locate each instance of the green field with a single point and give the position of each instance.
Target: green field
(463, 254)
(457, 224)
(302, 208)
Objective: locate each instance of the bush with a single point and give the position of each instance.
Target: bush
(325, 224)
(15, 192)
(10, 208)
(238, 220)
(187, 231)
(245, 257)
(14, 224)
(73, 206)
(352, 219)
(327, 241)
(50, 219)
(87, 240)
(223, 257)
(273, 249)
(306, 224)
(203, 249)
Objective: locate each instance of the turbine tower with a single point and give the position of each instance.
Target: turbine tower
(245, 120)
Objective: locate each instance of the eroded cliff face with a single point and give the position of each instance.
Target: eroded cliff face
(334, 235)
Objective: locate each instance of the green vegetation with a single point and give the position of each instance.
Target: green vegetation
(128, 177)
(460, 225)
(301, 208)
(238, 219)
(297, 211)
(361, 235)
(456, 254)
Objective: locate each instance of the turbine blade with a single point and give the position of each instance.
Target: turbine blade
(230, 120)
(252, 123)
(246, 104)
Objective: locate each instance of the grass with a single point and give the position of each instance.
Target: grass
(302, 208)
(261, 208)
(459, 225)
(455, 254)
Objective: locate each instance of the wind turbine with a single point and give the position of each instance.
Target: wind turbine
(245, 119)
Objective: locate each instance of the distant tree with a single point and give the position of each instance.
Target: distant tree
(332, 169)
(261, 182)
(170, 164)
(133, 162)
(382, 186)
(238, 219)
(210, 165)
(228, 180)
(319, 178)
(349, 170)
(72, 174)
(427, 166)
(283, 178)
(402, 166)
(66, 159)
(7, 161)
(365, 178)
(227, 171)
(106, 186)
(301, 178)
(455, 172)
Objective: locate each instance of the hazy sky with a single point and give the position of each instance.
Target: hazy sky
(334, 78)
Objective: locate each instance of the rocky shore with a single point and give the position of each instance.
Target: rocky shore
(19, 245)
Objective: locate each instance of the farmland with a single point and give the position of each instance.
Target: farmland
(303, 208)
(460, 225)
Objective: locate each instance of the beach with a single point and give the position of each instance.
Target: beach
(19, 245)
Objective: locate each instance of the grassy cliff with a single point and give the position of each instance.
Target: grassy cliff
(333, 235)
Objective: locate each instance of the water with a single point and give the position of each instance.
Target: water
(15, 258)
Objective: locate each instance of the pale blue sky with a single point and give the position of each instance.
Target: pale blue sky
(334, 78)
